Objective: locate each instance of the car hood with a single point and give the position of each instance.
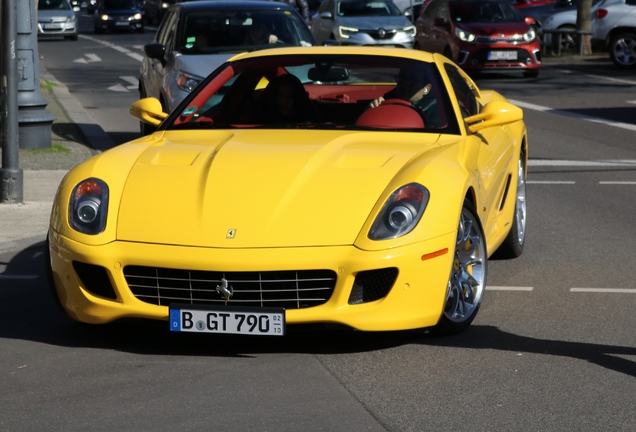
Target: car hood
(261, 188)
(47, 15)
(496, 29)
(374, 23)
(201, 64)
(119, 12)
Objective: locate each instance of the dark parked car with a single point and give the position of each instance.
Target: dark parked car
(480, 35)
(118, 15)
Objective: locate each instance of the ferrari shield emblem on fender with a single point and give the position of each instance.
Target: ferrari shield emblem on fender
(225, 290)
(230, 233)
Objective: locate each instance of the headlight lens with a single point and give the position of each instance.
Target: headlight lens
(529, 37)
(346, 32)
(104, 17)
(401, 212)
(464, 36)
(187, 82)
(137, 16)
(88, 206)
(410, 30)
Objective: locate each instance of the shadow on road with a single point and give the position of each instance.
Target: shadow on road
(28, 312)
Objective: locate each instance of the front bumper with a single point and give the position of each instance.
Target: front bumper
(414, 300)
(362, 38)
(484, 57)
(55, 28)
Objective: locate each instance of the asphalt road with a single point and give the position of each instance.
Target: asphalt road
(552, 349)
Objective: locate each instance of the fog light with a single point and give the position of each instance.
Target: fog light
(529, 61)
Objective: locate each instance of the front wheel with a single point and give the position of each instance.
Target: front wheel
(623, 50)
(467, 280)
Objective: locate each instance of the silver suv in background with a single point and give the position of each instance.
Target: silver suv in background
(615, 29)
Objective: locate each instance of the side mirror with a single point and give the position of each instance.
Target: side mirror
(155, 50)
(495, 113)
(326, 15)
(530, 21)
(148, 110)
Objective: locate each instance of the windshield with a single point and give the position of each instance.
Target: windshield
(212, 32)
(484, 12)
(320, 92)
(367, 8)
(53, 5)
(120, 5)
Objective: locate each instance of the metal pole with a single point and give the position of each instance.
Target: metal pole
(11, 178)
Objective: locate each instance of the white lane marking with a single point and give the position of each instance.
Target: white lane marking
(597, 163)
(507, 288)
(121, 49)
(617, 182)
(564, 113)
(120, 88)
(631, 102)
(606, 78)
(90, 58)
(548, 182)
(605, 290)
(136, 56)
(18, 277)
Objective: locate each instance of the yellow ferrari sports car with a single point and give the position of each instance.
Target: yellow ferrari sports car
(354, 186)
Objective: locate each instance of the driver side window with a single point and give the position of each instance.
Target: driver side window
(463, 92)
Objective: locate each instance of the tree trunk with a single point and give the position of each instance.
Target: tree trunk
(584, 22)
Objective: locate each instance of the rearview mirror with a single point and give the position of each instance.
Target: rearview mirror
(148, 110)
(495, 113)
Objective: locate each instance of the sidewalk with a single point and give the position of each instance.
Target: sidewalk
(23, 225)
(26, 224)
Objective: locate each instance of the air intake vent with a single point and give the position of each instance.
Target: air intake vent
(95, 279)
(372, 285)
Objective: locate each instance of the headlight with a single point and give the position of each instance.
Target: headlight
(464, 36)
(88, 206)
(346, 32)
(410, 31)
(165, 5)
(529, 37)
(137, 16)
(186, 81)
(104, 17)
(71, 19)
(401, 212)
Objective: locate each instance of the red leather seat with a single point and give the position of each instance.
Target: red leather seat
(392, 114)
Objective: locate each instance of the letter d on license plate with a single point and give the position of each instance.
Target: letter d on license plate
(228, 319)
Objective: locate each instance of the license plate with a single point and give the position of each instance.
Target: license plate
(52, 26)
(121, 23)
(502, 55)
(228, 319)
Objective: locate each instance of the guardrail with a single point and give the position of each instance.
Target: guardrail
(577, 36)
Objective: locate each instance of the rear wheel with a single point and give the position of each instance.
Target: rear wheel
(623, 50)
(467, 280)
(512, 247)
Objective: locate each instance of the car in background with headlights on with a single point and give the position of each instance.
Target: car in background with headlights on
(194, 38)
(56, 18)
(245, 214)
(362, 22)
(480, 35)
(118, 15)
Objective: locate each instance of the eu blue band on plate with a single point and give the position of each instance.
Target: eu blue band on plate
(175, 320)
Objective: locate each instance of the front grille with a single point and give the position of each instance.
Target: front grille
(289, 289)
(380, 33)
(516, 39)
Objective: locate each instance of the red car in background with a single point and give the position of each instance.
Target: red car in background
(528, 3)
(480, 35)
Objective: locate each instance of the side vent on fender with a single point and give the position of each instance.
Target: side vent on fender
(505, 193)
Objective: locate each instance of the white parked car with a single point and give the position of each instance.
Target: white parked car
(565, 20)
(615, 28)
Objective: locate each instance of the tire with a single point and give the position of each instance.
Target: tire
(512, 246)
(72, 37)
(532, 73)
(49, 275)
(622, 50)
(467, 281)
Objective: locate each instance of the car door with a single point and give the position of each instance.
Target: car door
(432, 27)
(495, 152)
(320, 25)
(159, 68)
